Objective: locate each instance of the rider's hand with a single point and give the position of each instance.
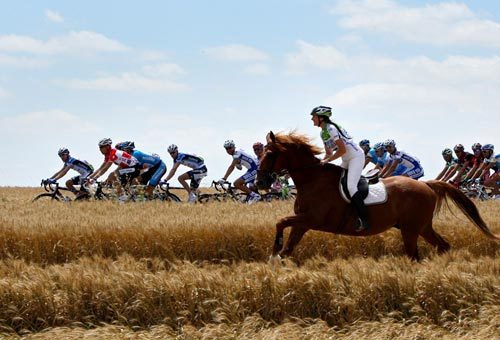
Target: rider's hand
(90, 181)
(222, 181)
(50, 181)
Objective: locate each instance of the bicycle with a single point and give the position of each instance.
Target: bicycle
(53, 192)
(225, 192)
(163, 193)
(477, 190)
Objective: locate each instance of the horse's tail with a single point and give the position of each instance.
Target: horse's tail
(445, 191)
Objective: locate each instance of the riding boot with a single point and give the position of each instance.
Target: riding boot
(362, 211)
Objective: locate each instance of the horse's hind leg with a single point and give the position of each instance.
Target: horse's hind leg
(410, 237)
(295, 236)
(430, 235)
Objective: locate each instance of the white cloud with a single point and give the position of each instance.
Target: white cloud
(129, 82)
(236, 52)
(53, 16)
(447, 23)
(70, 43)
(323, 57)
(164, 69)
(258, 69)
(22, 62)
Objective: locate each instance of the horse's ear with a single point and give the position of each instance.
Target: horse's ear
(270, 138)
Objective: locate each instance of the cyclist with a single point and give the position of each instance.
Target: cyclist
(450, 163)
(242, 159)
(383, 156)
(82, 167)
(465, 162)
(127, 164)
(474, 172)
(154, 167)
(410, 165)
(196, 174)
(339, 144)
(491, 162)
(258, 149)
(370, 154)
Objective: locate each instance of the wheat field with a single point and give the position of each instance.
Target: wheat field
(160, 270)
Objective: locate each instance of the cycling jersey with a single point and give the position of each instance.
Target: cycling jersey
(145, 160)
(451, 163)
(120, 158)
(372, 155)
(330, 134)
(495, 162)
(246, 160)
(412, 167)
(82, 167)
(466, 159)
(478, 160)
(191, 161)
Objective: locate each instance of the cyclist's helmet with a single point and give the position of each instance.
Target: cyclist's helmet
(389, 142)
(105, 141)
(172, 148)
(323, 111)
(229, 144)
(447, 152)
(125, 146)
(364, 142)
(258, 146)
(488, 147)
(476, 146)
(458, 147)
(63, 151)
(379, 146)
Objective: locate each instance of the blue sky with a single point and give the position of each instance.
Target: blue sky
(196, 73)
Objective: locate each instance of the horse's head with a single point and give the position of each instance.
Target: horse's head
(285, 153)
(272, 163)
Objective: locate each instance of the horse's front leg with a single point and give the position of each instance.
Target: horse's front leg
(296, 221)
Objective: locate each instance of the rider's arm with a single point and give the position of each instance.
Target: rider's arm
(60, 173)
(101, 171)
(460, 171)
(367, 160)
(390, 170)
(483, 169)
(329, 156)
(172, 172)
(451, 172)
(471, 173)
(230, 169)
(442, 173)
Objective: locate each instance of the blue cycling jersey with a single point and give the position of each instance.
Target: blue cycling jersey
(372, 155)
(246, 160)
(145, 159)
(405, 159)
(381, 161)
(191, 161)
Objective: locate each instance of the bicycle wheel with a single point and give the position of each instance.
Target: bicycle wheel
(172, 198)
(47, 196)
(205, 198)
(271, 196)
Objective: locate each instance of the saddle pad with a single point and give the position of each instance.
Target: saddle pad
(377, 194)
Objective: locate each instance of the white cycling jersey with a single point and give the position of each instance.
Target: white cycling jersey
(330, 134)
(246, 160)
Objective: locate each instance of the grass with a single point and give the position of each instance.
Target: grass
(157, 270)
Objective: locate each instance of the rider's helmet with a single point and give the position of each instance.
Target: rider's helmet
(458, 147)
(389, 142)
(125, 146)
(364, 142)
(172, 148)
(447, 152)
(476, 147)
(323, 111)
(63, 151)
(379, 146)
(105, 141)
(229, 144)
(258, 146)
(488, 147)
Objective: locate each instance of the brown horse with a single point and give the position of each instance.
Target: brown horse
(410, 205)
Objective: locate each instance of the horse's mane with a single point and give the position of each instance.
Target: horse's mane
(287, 141)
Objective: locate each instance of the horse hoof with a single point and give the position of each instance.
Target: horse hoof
(275, 260)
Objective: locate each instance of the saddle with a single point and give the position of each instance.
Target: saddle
(372, 190)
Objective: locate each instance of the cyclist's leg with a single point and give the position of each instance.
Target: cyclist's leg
(248, 177)
(70, 184)
(155, 179)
